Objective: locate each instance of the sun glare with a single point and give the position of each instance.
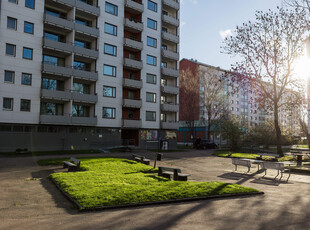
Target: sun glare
(302, 67)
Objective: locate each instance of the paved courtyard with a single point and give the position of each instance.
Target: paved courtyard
(37, 204)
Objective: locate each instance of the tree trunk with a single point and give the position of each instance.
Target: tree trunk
(209, 126)
(278, 130)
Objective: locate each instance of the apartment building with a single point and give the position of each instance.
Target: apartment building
(241, 104)
(79, 74)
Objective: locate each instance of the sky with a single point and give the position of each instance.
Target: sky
(204, 24)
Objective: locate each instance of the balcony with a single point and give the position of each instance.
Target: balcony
(89, 121)
(170, 37)
(169, 89)
(87, 98)
(56, 70)
(87, 75)
(64, 47)
(170, 20)
(133, 26)
(91, 31)
(60, 22)
(70, 3)
(55, 119)
(94, 10)
(172, 4)
(134, 124)
(133, 45)
(133, 64)
(170, 55)
(55, 94)
(94, 54)
(169, 107)
(169, 125)
(170, 72)
(134, 7)
(131, 83)
(130, 103)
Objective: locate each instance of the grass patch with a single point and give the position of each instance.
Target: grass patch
(224, 153)
(46, 153)
(112, 181)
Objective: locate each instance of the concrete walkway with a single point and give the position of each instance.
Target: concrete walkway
(37, 204)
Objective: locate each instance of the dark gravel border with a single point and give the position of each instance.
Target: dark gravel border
(81, 208)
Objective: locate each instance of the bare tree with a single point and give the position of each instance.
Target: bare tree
(268, 48)
(213, 98)
(189, 97)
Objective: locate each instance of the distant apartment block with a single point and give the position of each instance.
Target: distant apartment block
(88, 74)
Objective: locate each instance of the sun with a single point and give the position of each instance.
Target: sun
(302, 67)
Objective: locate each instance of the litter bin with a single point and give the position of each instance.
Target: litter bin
(159, 156)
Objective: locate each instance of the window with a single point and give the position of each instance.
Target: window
(30, 3)
(26, 78)
(151, 42)
(109, 91)
(109, 70)
(51, 60)
(7, 103)
(151, 24)
(110, 8)
(27, 53)
(108, 113)
(131, 95)
(151, 97)
(81, 88)
(82, 44)
(110, 49)
(49, 108)
(150, 78)
(9, 76)
(110, 29)
(151, 60)
(10, 49)
(164, 47)
(150, 116)
(164, 64)
(13, 1)
(152, 6)
(25, 105)
(81, 66)
(11, 23)
(80, 110)
(52, 84)
(28, 27)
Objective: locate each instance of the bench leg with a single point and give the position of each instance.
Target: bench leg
(248, 170)
(235, 167)
(265, 172)
(281, 175)
(277, 174)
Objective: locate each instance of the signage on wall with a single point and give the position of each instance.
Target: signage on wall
(150, 135)
(171, 135)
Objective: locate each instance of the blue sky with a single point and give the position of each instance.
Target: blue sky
(204, 21)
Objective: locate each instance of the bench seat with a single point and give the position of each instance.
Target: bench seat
(175, 172)
(276, 166)
(141, 159)
(72, 165)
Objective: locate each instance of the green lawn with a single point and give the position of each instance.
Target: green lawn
(46, 153)
(112, 181)
(226, 153)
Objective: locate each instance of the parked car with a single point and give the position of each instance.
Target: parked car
(206, 144)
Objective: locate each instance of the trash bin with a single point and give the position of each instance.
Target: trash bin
(159, 156)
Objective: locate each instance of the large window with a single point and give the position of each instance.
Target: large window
(27, 53)
(108, 113)
(52, 60)
(81, 66)
(151, 60)
(52, 84)
(25, 105)
(152, 42)
(7, 103)
(150, 78)
(151, 97)
(150, 116)
(26, 78)
(109, 70)
(10, 49)
(109, 91)
(30, 3)
(13, 1)
(11, 23)
(54, 37)
(110, 49)
(49, 108)
(81, 88)
(110, 8)
(28, 27)
(110, 29)
(80, 110)
(152, 6)
(151, 24)
(9, 76)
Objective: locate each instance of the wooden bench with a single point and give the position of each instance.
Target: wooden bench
(175, 172)
(276, 156)
(141, 159)
(73, 164)
(276, 166)
(241, 162)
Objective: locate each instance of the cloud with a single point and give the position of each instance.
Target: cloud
(225, 33)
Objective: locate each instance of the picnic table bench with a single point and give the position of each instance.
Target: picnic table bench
(175, 172)
(299, 154)
(141, 159)
(73, 164)
(276, 166)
